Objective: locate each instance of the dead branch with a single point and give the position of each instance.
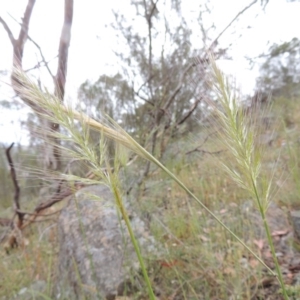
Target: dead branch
(214, 43)
(189, 113)
(7, 29)
(16, 185)
(39, 64)
(198, 148)
(206, 152)
(205, 60)
(148, 17)
(39, 48)
(52, 156)
(44, 215)
(12, 240)
(42, 56)
(20, 42)
(178, 88)
(59, 195)
(18, 49)
(138, 91)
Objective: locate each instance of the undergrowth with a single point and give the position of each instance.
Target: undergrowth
(202, 260)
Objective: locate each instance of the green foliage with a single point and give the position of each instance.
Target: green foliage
(98, 96)
(280, 71)
(157, 94)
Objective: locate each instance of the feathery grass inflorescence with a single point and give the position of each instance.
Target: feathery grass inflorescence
(78, 126)
(238, 131)
(50, 108)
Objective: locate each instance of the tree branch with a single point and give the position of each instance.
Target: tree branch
(138, 91)
(20, 42)
(63, 51)
(16, 185)
(178, 88)
(198, 148)
(202, 61)
(18, 46)
(189, 113)
(213, 44)
(7, 29)
(148, 17)
(39, 48)
(39, 64)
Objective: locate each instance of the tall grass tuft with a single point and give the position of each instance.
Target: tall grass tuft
(77, 126)
(238, 132)
(237, 135)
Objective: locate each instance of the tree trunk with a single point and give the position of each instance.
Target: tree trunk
(52, 157)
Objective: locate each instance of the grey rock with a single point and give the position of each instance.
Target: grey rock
(96, 257)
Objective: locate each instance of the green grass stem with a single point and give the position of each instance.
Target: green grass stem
(238, 132)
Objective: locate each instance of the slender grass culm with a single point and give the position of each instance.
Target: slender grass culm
(238, 139)
(238, 132)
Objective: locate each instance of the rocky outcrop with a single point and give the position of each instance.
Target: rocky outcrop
(96, 257)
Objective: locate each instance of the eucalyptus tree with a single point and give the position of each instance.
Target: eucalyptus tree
(279, 72)
(159, 91)
(52, 159)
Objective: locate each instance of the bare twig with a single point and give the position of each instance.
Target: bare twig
(148, 17)
(213, 44)
(18, 48)
(38, 47)
(16, 185)
(7, 29)
(44, 215)
(138, 91)
(189, 113)
(48, 203)
(42, 56)
(205, 59)
(23, 34)
(38, 65)
(198, 148)
(206, 152)
(178, 88)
